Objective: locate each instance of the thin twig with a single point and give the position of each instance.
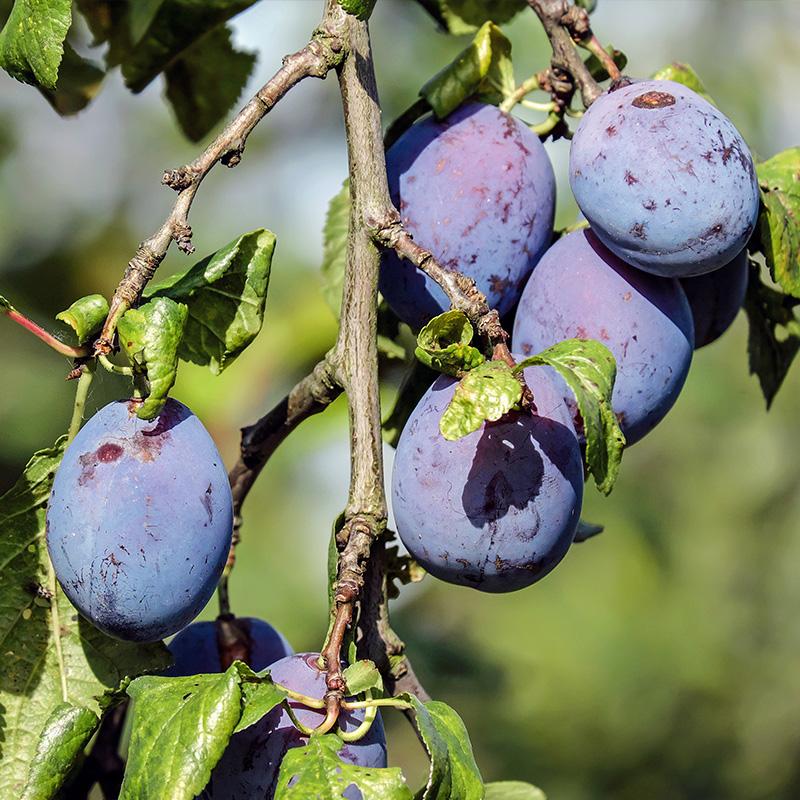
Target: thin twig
(322, 54)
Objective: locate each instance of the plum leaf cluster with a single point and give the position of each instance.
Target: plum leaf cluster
(444, 344)
(85, 316)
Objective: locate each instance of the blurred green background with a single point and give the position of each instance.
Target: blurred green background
(662, 659)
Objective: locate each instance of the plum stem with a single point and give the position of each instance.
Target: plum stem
(363, 729)
(81, 395)
(117, 369)
(324, 52)
(296, 722)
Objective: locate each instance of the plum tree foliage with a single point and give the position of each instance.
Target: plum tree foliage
(119, 534)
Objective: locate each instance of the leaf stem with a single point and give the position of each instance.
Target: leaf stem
(110, 366)
(81, 394)
(45, 336)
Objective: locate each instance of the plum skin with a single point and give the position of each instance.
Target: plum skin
(715, 299)
(579, 289)
(664, 178)
(497, 509)
(476, 189)
(139, 520)
(195, 650)
(250, 764)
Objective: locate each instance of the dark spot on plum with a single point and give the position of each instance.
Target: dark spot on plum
(499, 285)
(206, 501)
(709, 156)
(652, 100)
(611, 130)
(650, 205)
(630, 178)
(638, 230)
(109, 452)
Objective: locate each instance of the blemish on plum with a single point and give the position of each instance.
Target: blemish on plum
(630, 178)
(652, 100)
(638, 230)
(206, 501)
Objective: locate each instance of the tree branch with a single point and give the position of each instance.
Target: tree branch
(323, 53)
(565, 25)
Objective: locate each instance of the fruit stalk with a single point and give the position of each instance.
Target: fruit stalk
(323, 53)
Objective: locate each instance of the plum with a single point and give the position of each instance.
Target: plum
(477, 189)
(715, 299)
(249, 766)
(580, 289)
(665, 180)
(195, 650)
(497, 509)
(139, 520)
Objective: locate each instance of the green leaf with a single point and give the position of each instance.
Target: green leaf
(79, 81)
(684, 74)
(85, 316)
(589, 5)
(513, 790)
(360, 9)
(205, 82)
(66, 733)
(466, 16)
(485, 393)
(141, 14)
(361, 676)
(150, 337)
(779, 218)
(444, 344)
(483, 67)
(334, 253)
(774, 336)
(177, 25)
(180, 729)
(598, 71)
(226, 294)
(316, 771)
(259, 695)
(586, 530)
(590, 370)
(32, 40)
(50, 654)
(453, 771)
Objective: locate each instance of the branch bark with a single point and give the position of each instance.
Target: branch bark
(323, 53)
(565, 25)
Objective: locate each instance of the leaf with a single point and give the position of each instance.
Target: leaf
(141, 14)
(79, 80)
(177, 25)
(226, 294)
(32, 40)
(85, 316)
(513, 790)
(453, 771)
(444, 344)
(589, 5)
(316, 771)
(590, 370)
(774, 336)
(334, 253)
(180, 729)
(259, 696)
(466, 16)
(360, 9)
(205, 82)
(586, 530)
(683, 74)
(485, 393)
(50, 655)
(483, 67)
(779, 218)
(361, 676)
(150, 337)
(66, 733)
(598, 71)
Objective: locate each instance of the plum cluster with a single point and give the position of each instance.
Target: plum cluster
(668, 188)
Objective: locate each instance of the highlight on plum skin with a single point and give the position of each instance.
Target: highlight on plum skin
(249, 766)
(139, 520)
(715, 299)
(664, 178)
(195, 650)
(478, 190)
(579, 289)
(497, 509)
